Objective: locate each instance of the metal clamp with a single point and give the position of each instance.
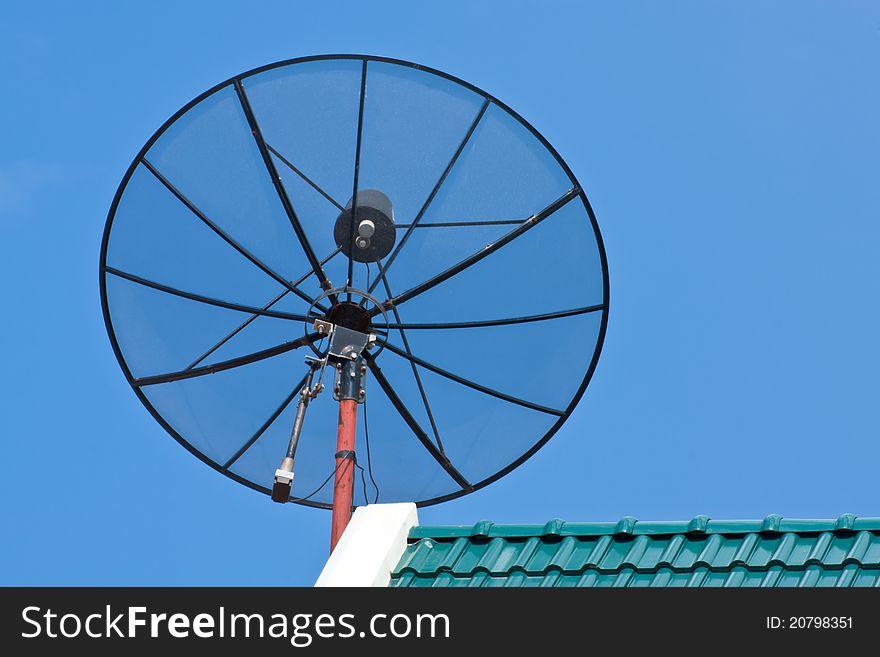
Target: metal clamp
(349, 380)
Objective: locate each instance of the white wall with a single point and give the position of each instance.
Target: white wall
(370, 547)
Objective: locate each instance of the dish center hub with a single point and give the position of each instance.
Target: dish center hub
(351, 316)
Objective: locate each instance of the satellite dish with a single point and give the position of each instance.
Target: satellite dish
(367, 225)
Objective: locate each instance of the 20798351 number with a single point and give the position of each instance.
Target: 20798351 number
(819, 622)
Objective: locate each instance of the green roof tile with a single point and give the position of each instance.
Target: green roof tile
(774, 551)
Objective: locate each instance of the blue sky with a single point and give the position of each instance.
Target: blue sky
(730, 151)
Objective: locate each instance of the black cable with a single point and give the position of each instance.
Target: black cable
(363, 481)
(369, 461)
(317, 490)
(330, 476)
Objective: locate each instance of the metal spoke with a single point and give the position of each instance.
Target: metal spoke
(472, 384)
(411, 422)
(357, 166)
(525, 226)
(202, 299)
(279, 187)
(304, 177)
(224, 235)
(278, 411)
(415, 370)
(456, 224)
(501, 322)
(250, 319)
(433, 193)
(226, 364)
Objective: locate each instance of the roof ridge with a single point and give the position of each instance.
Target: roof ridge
(700, 524)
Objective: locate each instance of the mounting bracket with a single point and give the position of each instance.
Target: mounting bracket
(345, 352)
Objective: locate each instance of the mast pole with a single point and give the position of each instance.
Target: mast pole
(349, 391)
(343, 485)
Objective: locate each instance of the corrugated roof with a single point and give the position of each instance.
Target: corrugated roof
(774, 551)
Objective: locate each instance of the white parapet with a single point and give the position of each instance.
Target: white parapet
(370, 546)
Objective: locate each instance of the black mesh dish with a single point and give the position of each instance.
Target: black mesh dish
(231, 222)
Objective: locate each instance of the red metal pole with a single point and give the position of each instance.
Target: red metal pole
(343, 485)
